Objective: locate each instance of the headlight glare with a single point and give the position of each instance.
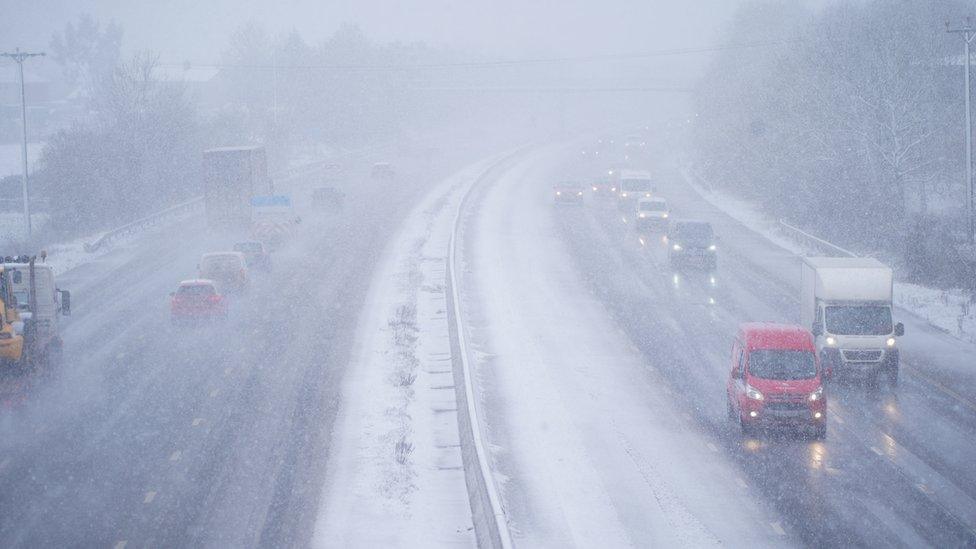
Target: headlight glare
(816, 395)
(753, 393)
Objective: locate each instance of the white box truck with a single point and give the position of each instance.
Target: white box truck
(847, 303)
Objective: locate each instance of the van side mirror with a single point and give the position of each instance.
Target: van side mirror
(65, 302)
(817, 329)
(899, 329)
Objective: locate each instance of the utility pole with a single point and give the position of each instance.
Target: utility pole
(968, 33)
(20, 57)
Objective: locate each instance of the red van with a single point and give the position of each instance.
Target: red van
(775, 379)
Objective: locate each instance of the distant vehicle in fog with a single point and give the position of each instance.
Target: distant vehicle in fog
(328, 197)
(231, 177)
(382, 170)
(776, 380)
(256, 255)
(197, 300)
(847, 303)
(634, 184)
(692, 243)
(568, 192)
(227, 269)
(652, 213)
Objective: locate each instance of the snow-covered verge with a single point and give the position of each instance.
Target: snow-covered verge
(395, 474)
(948, 310)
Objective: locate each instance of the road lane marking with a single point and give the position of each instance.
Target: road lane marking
(837, 418)
(197, 421)
(150, 496)
(641, 240)
(938, 385)
(877, 451)
(778, 528)
(925, 489)
(214, 393)
(741, 482)
(712, 447)
(176, 456)
(120, 544)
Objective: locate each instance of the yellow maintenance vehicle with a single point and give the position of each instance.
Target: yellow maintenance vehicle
(11, 342)
(32, 304)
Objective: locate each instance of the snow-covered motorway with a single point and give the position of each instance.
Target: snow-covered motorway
(603, 377)
(158, 436)
(601, 374)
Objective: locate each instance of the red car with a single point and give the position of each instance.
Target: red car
(197, 300)
(776, 379)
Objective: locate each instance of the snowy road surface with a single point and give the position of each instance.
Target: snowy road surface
(591, 447)
(601, 373)
(218, 436)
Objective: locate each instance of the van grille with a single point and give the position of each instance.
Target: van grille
(858, 355)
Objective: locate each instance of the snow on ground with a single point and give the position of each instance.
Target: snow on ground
(588, 448)
(395, 475)
(950, 311)
(11, 157)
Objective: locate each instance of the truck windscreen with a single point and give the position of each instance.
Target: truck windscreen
(782, 364)
(858, 319)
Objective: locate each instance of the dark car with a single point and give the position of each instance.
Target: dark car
(328, 197)
(568, 192)
(692, 243)
(255, 254)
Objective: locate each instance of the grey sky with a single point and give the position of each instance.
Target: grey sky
(197, 30)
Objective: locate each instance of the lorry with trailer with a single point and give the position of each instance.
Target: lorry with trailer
(35, 307)
(846, 301)
(232, 176)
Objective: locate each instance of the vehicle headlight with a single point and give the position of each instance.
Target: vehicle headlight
(676, 247)
(647, 195)
(891, 342)
(753, 393)
(664, 215)
(642, 215)
(579, 193)
(623, 195)
(816, 395)
(831, 341)
(712, 248)
(594, 189)
(613, 189)
(558, 193)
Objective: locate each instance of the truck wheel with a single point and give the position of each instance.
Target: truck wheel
(748, 429)
(731, 410)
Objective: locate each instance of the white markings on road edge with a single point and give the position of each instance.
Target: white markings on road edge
(712, 447)
(877, 451)
(741, 482)
(176, 456)
(150, 496)
(197, 421)
(778, 528)
(121, 544)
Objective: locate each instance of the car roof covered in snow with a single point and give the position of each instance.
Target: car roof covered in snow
(198, 282)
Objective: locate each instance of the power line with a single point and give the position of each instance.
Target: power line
(498, 63)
